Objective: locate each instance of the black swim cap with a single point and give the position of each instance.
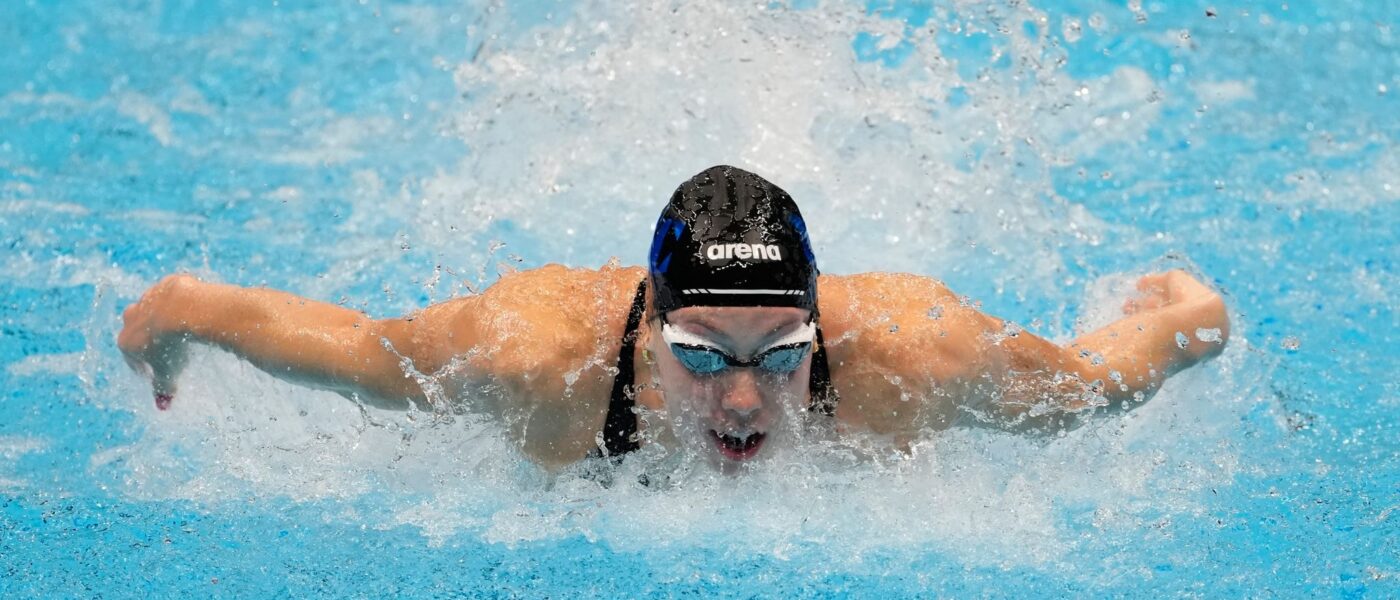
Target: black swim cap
(731, 238)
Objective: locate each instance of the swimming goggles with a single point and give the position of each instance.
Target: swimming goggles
(702, 357)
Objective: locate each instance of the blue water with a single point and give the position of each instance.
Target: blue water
(385, 156)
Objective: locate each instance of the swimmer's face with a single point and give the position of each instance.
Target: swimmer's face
(731, 415)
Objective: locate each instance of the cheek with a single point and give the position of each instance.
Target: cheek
(795, 387)
(681, 388)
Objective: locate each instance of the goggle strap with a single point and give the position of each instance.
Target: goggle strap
(675, 335)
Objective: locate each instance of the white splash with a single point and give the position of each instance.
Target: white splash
(147, 112)
(1348, 190)
(585, 124)
(11, 449)
(37, 364)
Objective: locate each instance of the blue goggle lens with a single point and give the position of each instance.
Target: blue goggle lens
(783, 360)
(702, 361)
(705, 361)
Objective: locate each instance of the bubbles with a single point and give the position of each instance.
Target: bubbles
(11, 449)
(577, 130)
(569, 120)
(1072, 30)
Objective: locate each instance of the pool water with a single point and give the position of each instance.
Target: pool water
(1035, 155)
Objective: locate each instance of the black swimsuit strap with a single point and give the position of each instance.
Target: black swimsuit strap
(620, 427)
(823, 394)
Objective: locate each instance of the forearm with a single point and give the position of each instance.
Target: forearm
(1175, 323)
(288, 336)
(1131, 357)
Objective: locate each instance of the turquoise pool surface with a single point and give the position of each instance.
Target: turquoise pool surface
(1036, 155)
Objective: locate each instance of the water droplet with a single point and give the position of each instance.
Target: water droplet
(1181, 340)
(1290, 344)
(1072, 30)
(935, 313)
(1208, 335)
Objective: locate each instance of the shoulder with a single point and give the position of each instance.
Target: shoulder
(559, 287)
(555, 313)
(902, 349)
(869, 304)
(549, 339)
(887, 290)
(900, 322)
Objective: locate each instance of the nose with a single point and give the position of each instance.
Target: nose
(742, 395)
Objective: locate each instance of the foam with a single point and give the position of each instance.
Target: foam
(608, 111)
(994, 499)
(1353, 190)
(12, 447)
(148, 113)
(37, 364)
(338, 141)
(593, 119)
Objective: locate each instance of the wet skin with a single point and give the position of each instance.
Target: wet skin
(729, 416)
(538, 350)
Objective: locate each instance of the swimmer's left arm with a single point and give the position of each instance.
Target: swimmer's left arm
(1176, 323)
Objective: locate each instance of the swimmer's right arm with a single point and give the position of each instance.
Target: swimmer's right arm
(294, 338)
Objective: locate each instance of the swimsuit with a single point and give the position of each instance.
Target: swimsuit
(620, 428)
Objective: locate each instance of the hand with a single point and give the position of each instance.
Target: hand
(148, 341)
(1179, 302)
(1157, 290)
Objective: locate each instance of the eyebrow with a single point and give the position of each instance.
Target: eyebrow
(710, 329)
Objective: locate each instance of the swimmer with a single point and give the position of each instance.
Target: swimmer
(729, 331)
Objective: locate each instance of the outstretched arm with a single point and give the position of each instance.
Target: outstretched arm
(308, 342)
(531, 342)
(1176, 323)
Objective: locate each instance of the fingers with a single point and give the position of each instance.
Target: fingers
(163, 386)
(1152, 293)
(137, 365)
(146, 348)
(1152, 282)
(1184, 285)
(1166, 288)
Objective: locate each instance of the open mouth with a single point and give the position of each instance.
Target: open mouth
(738, 448)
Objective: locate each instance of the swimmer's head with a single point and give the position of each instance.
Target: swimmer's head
(734, 296)
(731, 238)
